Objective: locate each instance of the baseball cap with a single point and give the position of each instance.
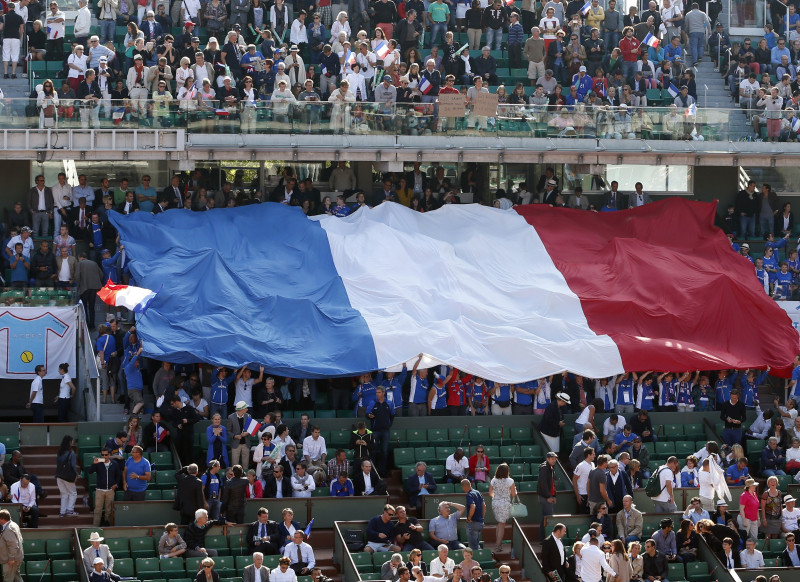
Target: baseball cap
(582, 69)
(387, 78)
(188, 23)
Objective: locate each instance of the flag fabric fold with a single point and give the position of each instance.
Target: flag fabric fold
(137, 299)
(650, 40)
(506, 295)
(672, 90)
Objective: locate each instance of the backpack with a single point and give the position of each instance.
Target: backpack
(653, 488)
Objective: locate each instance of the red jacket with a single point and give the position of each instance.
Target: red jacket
(626, 45)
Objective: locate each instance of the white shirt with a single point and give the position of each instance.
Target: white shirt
(27, 245)
(754, 560)
(706, 486)
(83, 22)
(582, 471)
(560, 547)
(457, 468)
(277, 575)
(314, 449)
(23, 495)
(42, 203)
(36, 386)
(63, 274)
(437, 567)
(789, 519)
(664, 477)
(62, 195)
(368, 488)
(305, 553)
(244, 391)
(593, 562)
(727, 559)
(55, 29)
(298, 33)
(299, 484)
(64, 390)
(611, 430)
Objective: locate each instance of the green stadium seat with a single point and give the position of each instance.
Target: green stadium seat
(776, 547)
(238, 546)
(508, 452)
(378, 558)
(141, 548)
(754, 448)
(119, 547)
(698, 571)
(478, 434)
(11, 441)
(36, 570)
(224, 565)
(163, 461)
(152, 495)
(526, 486)
(63, 570)
(498, 434)
(491, 451)
(362, 561)
(442, 453)
(89, 443)
(168, 494)
(397, 437)
(482, 487)
(517, 470)
(59, 549)
(403, 456)
(437, 435)
(673, 432)
(484, 557)
(34, 549)
(148, 568)
(428, 555)
(193, 566)
(694, 430)
(166, 479)
(425, 454)
(784, 481)
(271, 562)
(664, 449)
(219, 543)
(521, 435)
(340, 438)
(243, 561)
(529, 452)
(416, 436)
(321, 492)
(124, 566)
(437, 471)
(446, 488)
(684, 448)
(325, 414)
(172, 566)
(676, 572)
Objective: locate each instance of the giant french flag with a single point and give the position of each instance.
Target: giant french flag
(507, 295)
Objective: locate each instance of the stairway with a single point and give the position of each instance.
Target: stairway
(15, 88)
(712, 93)
(41, 461)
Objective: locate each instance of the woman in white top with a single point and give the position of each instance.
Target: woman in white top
(183, 72)
(261, 454)
(341, 25)
(77, 64)
(47, 102)
(587, 416)
(66, 391)
(187, 95)
(357, 84)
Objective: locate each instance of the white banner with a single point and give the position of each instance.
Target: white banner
(793, 311)
(30, 336)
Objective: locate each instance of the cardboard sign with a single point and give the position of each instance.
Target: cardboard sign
(486, 104)
(451, 105)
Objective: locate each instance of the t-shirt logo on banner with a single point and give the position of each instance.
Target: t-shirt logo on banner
(27, 340)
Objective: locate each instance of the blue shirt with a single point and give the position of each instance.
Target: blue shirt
(646, 395)
(796, 380)
(475, 498)
(440, 399)
(140, 468)
(29, 335)
(19, 272)
(738, 476)
(106, 344)
(419, 390)
(365, 394)
(110, 268)
(394, 387)
(777, 53)
(524, 399)
(670, 52)
(212, 485)
(339, 490)
(133, 374)
(621, 438)
(145, 205)
(723, 387)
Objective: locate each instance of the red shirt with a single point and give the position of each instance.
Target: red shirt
(626, 45)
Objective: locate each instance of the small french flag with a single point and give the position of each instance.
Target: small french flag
(650, 40)
(350, 59)
(673, 90)
(324, 70)
(222, 112)
(253, 426)
(796, 124)
(586, 8)
(425, 86)
(509, 2)
(307, 531)
(137, 299)
(116, 115)
(691, 110)
(382, 50)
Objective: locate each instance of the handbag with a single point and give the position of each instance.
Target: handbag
(65, 471)
(518, 509)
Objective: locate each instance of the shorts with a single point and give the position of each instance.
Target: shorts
(379, 547)
(135, 396)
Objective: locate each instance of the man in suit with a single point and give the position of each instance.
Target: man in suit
(237, 434)
(160, 206)
(233, 496)
(279, 480)
(129, 205)
(419, 484)
(554, 560)
(80, 223)
(97, 549)
(578, 200)
(40, 205)
(615, 198)
(11, 553)
(256, 572)
(367, 481)
(638, 198)
(172, 194)
(263, 536)
(189, 493)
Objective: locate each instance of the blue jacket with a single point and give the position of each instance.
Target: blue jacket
(413, 489)
(516, 35)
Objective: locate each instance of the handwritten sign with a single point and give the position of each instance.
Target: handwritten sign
(451, 105)
(486, 104)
